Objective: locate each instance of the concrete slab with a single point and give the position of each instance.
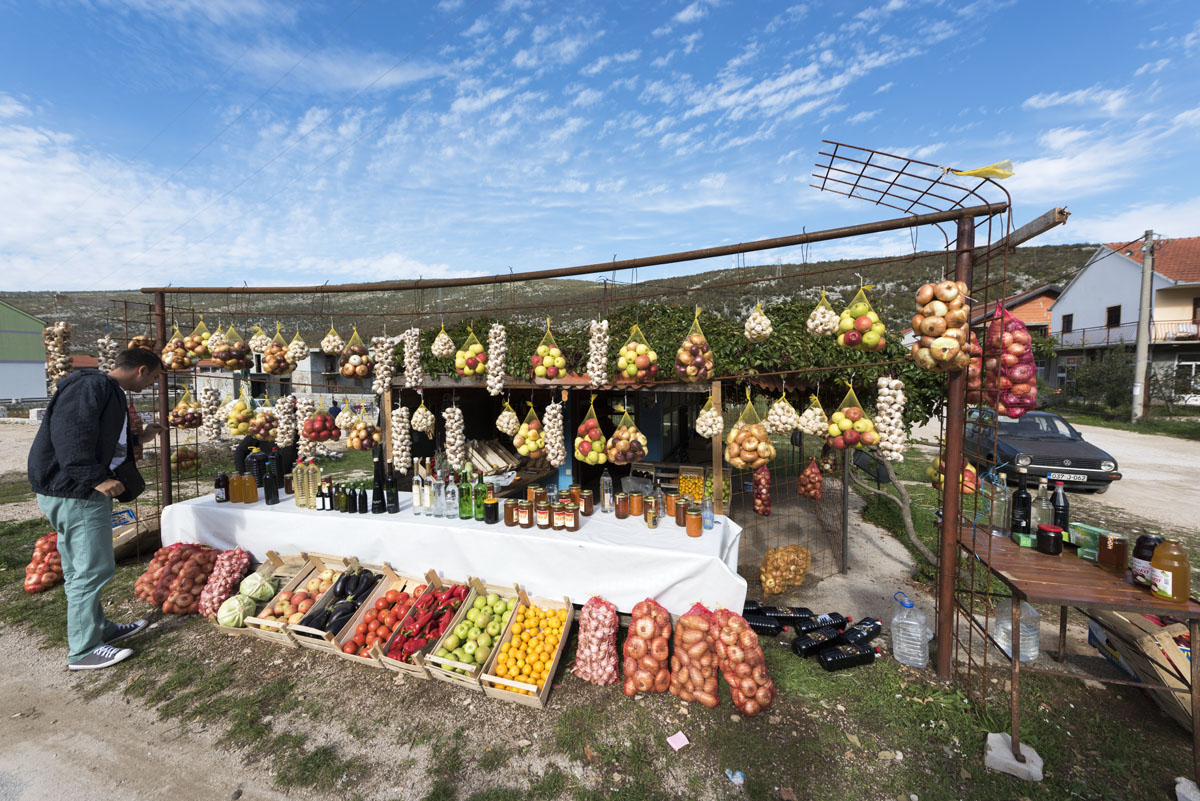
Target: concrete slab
(999, 757)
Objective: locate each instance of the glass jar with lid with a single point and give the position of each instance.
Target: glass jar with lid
(557, 512)
(586, 503)
(694, 524)
(622, 505)
(635, 504)
(542, 514)
(571, 516)
(525, 514)
(510, 511)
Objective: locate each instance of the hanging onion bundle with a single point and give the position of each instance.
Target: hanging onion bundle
(552, 425)
(497, 350)
(414, 373)
(597, 363)
(401, 439)
(106, 353)
(456, 440)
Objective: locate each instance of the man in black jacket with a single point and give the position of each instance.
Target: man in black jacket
(83, 439)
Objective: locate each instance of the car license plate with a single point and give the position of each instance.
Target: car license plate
(1066, 477)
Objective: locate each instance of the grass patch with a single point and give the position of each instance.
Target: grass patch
(319, 768)
(494, 758)
(14, 488)
(576, 728)
(1180, 429)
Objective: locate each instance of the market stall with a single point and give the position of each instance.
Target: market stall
(619, 559)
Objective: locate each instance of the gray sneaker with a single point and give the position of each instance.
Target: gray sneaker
(125, 630)
(102, 657)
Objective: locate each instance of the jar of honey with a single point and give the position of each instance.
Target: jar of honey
(622, 505)
(542, 515)
(539, 495)
(510, 511)
(694, 523)
(586, 503)
(571, 516)
(557, 511)
(681, 510)
(1170, 573)
(1112, 552)
(576, 491)
(671, 499)
(564, 496)
(525, 514)
(635, 504)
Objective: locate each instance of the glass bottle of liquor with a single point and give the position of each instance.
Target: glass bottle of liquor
(418, 486)
(439, 496)
(363, 504)
(1062, 508)
(481, 493)
(1021, 506)
(466, 498)
(344, 499)
(427, 491)
(1001, 500)
(393, 495)
(378, 500)
(270, 487)
(450, 496)
(221, 488)
(1041, 511)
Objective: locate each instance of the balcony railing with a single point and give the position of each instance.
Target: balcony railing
(1161, 331)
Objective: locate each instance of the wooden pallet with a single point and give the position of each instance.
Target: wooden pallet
(1151, 650)
(278, 568)
(539, 699)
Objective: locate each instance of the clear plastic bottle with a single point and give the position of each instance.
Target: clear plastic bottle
(706, 512)
(1001, 500)
(300, 484)
(910, 634)
(1042, 511)
(1030, 630)
(418, 489)
(606, 493)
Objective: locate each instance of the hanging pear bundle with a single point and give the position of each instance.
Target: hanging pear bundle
(383, 354)
(456, 440)
(106, 353)
(758, 326)
(443, 345)
(597, 363)
(556, 449)
(401, 439)
(414, 373)
(497, 353)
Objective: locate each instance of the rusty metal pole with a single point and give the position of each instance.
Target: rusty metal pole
(956, 401)
(164, 406)
(718, 452)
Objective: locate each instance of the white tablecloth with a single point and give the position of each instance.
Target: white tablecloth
(620, 560)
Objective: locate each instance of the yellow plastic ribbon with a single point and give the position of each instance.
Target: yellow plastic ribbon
(1001, 170)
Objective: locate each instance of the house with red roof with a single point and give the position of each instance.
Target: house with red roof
(1098, 308)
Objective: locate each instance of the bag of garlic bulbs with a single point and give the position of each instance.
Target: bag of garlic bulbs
(345, 418)
(597, 363)
(285, 416)
(332, 344)
(758, 325)
(889, 418)
(212, 423)
(782, 417)
(443, 345)
(305, 407)
(456, 440)
(556, 449)
(813, 420)
(106, 353)
(709, 423)
(414, 373)
(824, 320)
(297, 350)
(497, 351)
(401, 439)
(259, 340)
(422, 420)
(507, 423)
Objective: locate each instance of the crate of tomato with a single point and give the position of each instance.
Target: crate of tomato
(469, 642)
(423, 623)
(331, 612)
(378, 616)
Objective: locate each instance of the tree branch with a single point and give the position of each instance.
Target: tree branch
(904, 502)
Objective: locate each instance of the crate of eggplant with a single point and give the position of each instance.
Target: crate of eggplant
(307, 587)
(319, 627)
(378, 616)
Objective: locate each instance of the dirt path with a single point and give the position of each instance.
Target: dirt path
(15, 438)
(58, 745)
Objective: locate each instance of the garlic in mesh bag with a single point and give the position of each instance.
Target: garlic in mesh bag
(345, 418)
(331, 343)
(423, 421)
(414, 373)
(382, 349)
(456, 440)
(709, 422)
(758, 325)
(889, 418)
(106, 353)
(782, 417)
(297, 350)
(813, 420)
(507, 423)
(597, 363)
(443, 345)
(824, 320)
(212, 423)
(401, 439)
(285, 416)
(497, 351)
(305, 408)
(556, 449)
(259, 340)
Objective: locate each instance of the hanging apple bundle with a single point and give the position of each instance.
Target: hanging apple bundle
(809, 485)
(456, 441)
(849, 427)
(589, 438)
(531, 436)
(596, 653)
(471, 360)
(859, 326)
(547, 360)
(647, 650)
(597, 363)
(45, 568)
(742, 663)
(1010, 373)
(636, 360)
(942, 324)
(889, 418)
(401, 439)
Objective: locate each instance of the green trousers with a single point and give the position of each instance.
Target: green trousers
(85, 543)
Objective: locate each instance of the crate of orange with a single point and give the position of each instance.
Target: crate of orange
(529, 651)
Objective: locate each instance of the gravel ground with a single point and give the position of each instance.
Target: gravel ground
(15, 438)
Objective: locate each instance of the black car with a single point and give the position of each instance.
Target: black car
(1042, 443)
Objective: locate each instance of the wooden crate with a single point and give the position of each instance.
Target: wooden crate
(273, 630)
(279, 568)
(316, 639)
(540, 698)
(391, 581)
(444, 669)
(417, 669)
(1151, 650)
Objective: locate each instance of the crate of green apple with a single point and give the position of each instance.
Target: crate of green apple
(426, 620)
(462, 654)
(330, 613)
(377, 616)
(272, 622)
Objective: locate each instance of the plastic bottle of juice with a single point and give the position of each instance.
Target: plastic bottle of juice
(1170, 572)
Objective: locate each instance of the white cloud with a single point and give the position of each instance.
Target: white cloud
(597, 66)
(478, 27)
(561, 51)
(1176, 219)
(331, 69)
(875, 12)
(587, 97)
(1152, 67)
(217, 12)
(1191, 117)
(788, 16)
(480, 100)
(689, 41)
(1108, 101)
(663, 60)
(450, 5)
(1079, 164)
(884, 87)
(9, 107)
(693, 12)
(862, 116)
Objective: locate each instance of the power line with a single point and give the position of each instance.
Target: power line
(217, 136)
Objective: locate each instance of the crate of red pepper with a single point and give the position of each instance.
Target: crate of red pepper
(426, 620)
(378, 616)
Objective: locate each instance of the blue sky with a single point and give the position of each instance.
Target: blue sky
(221, 141)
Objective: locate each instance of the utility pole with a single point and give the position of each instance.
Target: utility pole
(1140, 383)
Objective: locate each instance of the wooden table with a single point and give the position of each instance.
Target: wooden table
(1065, 581)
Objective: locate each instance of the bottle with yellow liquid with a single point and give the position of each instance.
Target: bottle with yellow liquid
(1170, 572)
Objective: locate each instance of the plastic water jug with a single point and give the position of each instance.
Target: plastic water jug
(1030, 634)
(910, 634)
